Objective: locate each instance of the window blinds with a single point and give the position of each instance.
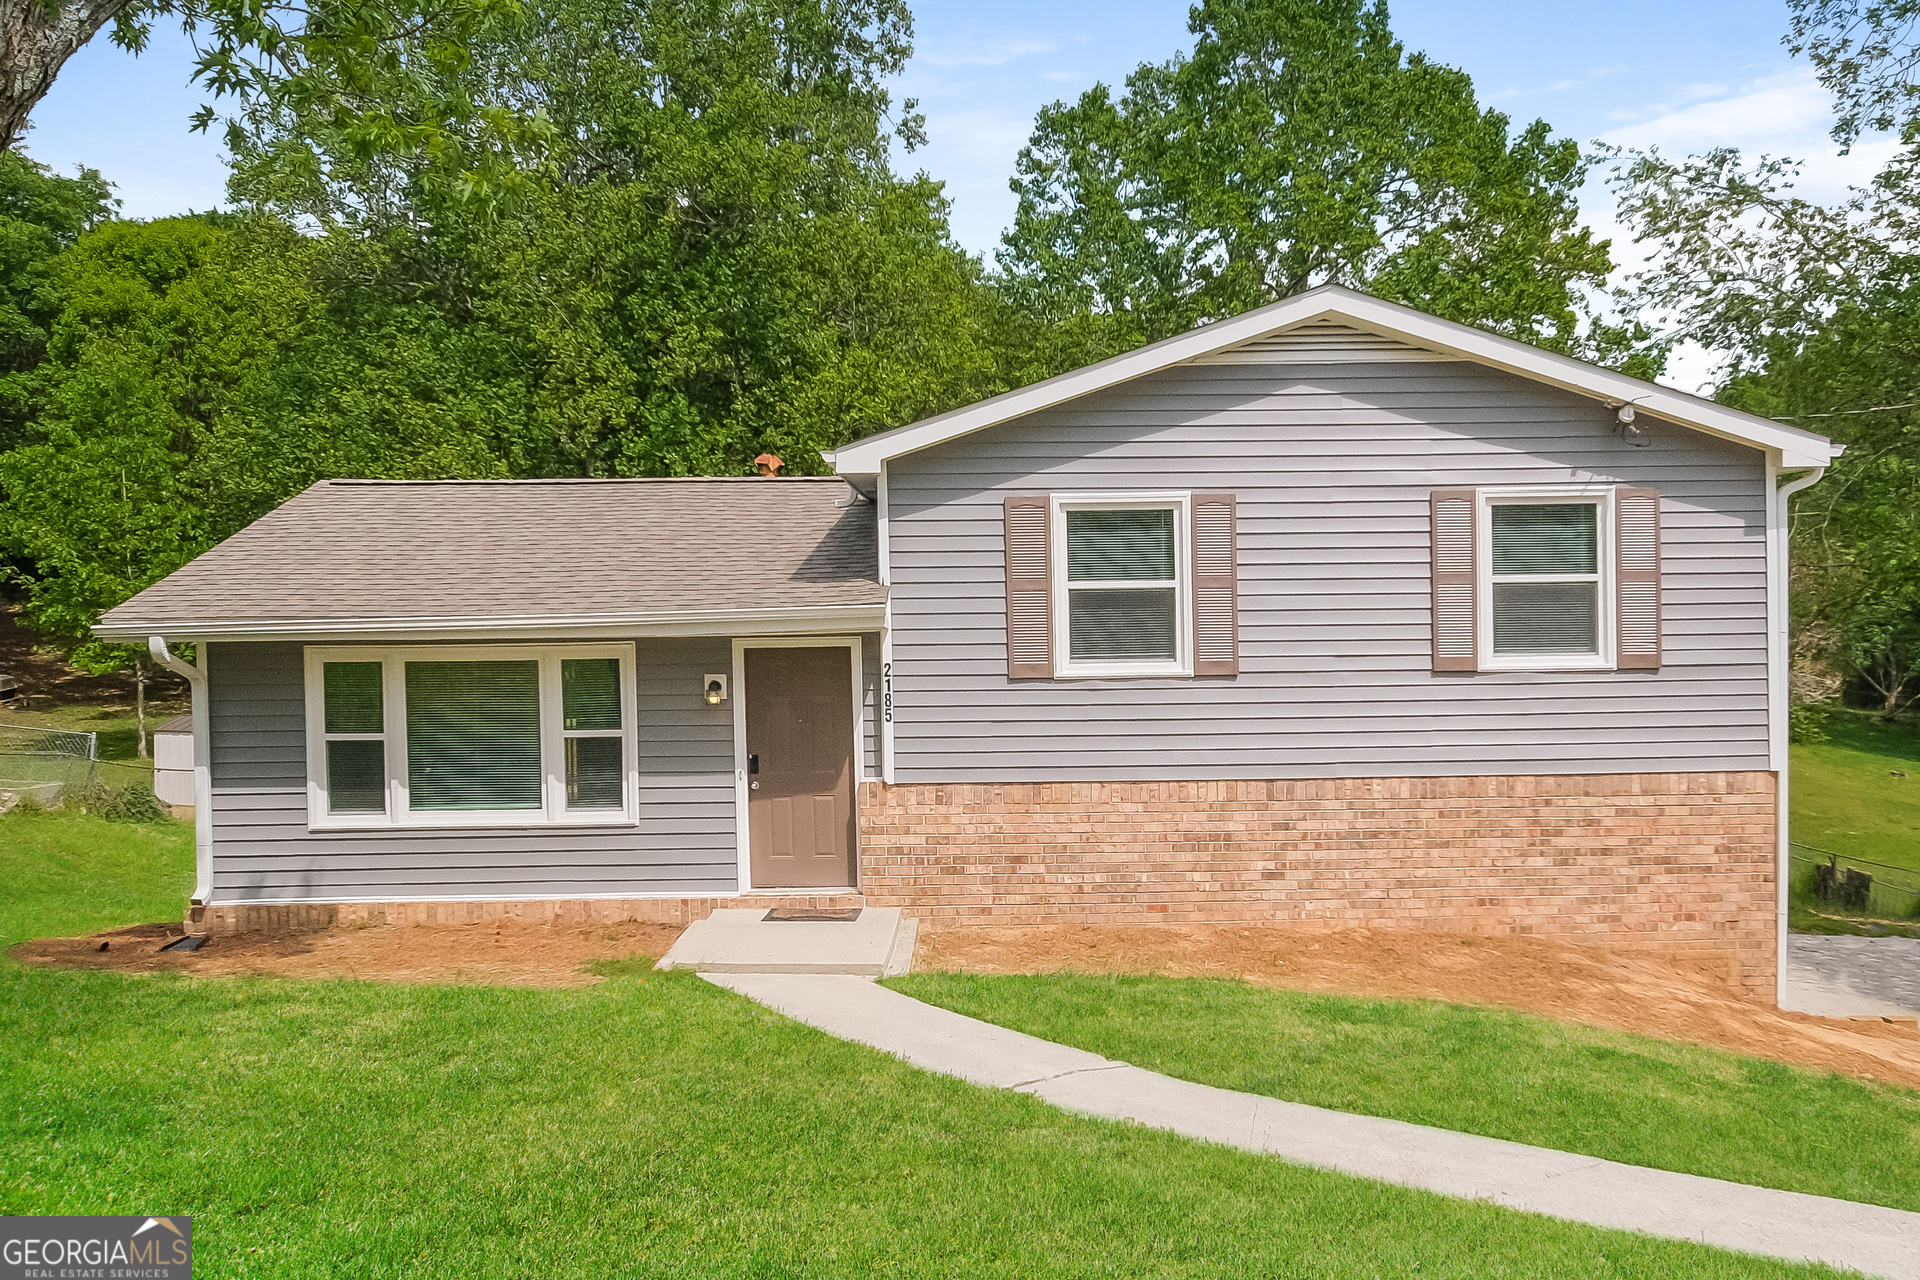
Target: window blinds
(1552, 542)
(473, 735)
(353, 697)
(1546, 617)
(1109, 546)
(590, 693)
(353, 703)
(590, 724)
(1133, 624)
(357, 776)
(1556, 538)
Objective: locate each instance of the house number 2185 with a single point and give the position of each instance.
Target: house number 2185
(886, 692)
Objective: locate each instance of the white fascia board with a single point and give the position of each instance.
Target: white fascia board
(703, 622)
(1790, 447)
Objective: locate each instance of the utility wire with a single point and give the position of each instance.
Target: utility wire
(1846, 413)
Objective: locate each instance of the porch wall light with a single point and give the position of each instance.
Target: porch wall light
(716, 690)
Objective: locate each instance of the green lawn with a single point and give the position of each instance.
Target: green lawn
(67, 874)
(1503, 1074)
(650, 1126)
(1858, 795)
(1846, 797)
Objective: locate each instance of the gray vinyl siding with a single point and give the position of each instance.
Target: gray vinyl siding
(869, 705)
(1332, 466)
(263, 850)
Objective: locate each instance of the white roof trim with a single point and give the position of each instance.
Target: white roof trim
(606, 626)
(1788, 447)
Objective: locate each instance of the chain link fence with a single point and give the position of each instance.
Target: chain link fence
(42, 765)
(1834, 881)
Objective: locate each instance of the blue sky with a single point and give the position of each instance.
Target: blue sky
(1681, 75)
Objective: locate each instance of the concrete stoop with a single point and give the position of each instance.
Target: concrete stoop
(878, 943)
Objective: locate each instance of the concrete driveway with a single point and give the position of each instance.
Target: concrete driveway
(1853, 977)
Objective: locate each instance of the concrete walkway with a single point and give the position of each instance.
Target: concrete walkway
(1781, 1224)
(1853, 977)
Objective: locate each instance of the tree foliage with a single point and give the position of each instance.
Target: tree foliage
(1297, 144)
(375, 78)
(1816, 311)
(42, 214)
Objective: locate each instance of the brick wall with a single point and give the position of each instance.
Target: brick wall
(1676, 861)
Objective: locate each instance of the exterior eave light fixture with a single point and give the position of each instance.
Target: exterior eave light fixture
(1634, 433)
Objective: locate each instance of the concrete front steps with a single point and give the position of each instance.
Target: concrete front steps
(877, 942)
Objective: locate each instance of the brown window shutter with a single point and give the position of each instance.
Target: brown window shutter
(1636, 614)
(1029, 589)
(1216, 614)
(1456, 641)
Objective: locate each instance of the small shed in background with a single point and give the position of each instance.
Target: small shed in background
(173, 765)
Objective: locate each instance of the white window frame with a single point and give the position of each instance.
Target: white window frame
(1181, 506)
(1601, 496)
(553, 735)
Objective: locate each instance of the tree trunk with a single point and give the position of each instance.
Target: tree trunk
(140, 704)
(36, 39)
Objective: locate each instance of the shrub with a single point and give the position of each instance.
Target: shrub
(133, 802)
(1807, 724)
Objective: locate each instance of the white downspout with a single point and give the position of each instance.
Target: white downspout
(196, 675)
(1778, 703)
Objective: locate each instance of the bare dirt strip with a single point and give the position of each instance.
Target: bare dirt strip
(1622, 989)
(490, 953)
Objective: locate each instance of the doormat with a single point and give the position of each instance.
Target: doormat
(843, 915)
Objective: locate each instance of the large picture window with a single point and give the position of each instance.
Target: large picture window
(470, 735)
(1120, 574)
(1545, 570)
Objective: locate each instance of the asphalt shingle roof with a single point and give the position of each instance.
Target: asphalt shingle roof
(385, 550)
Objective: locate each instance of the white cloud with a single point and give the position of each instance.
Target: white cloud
(1784, 113)
(981, 137)
(1581, 81)
(984, 51)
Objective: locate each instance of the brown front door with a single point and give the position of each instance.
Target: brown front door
(800, 767)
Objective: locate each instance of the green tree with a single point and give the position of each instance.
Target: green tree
(718, 261)
(142, 360)
(371, 77)
(42, 214)
(1815, 311)
(1297, 144)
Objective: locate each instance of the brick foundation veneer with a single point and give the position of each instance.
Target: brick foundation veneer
(305, 917)
(1683, 862)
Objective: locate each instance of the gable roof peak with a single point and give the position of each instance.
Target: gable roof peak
(1401, 328)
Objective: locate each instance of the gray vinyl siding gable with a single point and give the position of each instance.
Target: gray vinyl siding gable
(264, 851)
(1332, 466)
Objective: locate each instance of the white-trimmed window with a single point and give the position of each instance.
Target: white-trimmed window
(470, 735)
(1121, 582)
(1546, 578)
